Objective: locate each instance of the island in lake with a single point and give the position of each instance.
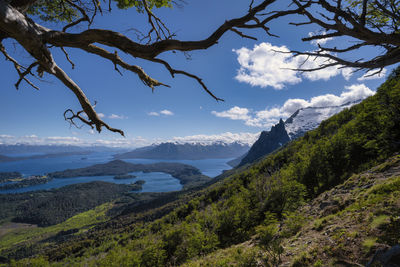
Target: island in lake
(7, 176)
(188, 176)
(124, 176)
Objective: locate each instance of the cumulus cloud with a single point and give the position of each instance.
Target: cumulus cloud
(166, 112)
(153, 113)
(235, 113)
(266, 65)
(274, 66)
(270, 116)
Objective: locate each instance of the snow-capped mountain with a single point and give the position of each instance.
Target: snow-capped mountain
(307, 119)
(189, 151)
(302, 121)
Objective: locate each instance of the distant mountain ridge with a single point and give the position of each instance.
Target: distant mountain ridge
(190, 151)
(7, 149)
(302, 121)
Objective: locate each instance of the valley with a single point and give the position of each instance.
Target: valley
(327, 198)
(166, 133)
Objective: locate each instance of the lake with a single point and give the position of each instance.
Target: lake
(155, 182)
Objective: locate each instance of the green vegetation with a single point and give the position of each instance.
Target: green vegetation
(258, 214)
(26, 182)
(188, 176)
(79, 223)
(50, 207)
(124, 176)
(369, 243)
(380, 221)
(138, 185)
(60, 11)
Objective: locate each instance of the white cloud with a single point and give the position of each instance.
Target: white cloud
(274, 66)
(228, 137)
(235, 113)
(6, 136)
(36, 140)
(61, 140)
(319, 41)
(32, 136)
(166, 112)
(115, 116)
(270, 116)
(264, 67)
(322, 74)
(371, 75)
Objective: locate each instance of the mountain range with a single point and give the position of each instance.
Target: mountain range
(190, 151)
(8, 149)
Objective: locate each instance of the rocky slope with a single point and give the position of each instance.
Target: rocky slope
(266, 143)
(357, 223)
(302, 121)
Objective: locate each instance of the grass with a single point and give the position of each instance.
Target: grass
(320, 223)
(379, 221)
(82, 221)
(239, 255)
(368, 243)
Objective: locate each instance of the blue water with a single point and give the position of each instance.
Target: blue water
(43, 166)
(155, 182)
(209, 167)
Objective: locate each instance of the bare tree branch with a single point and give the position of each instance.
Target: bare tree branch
(335, 18)
(22, 74)
(344, 22)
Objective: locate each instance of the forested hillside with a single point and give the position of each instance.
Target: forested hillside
(247, 218)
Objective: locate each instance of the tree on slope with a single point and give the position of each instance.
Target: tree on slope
(369, 22)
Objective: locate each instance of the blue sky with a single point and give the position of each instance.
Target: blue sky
(245, 73)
